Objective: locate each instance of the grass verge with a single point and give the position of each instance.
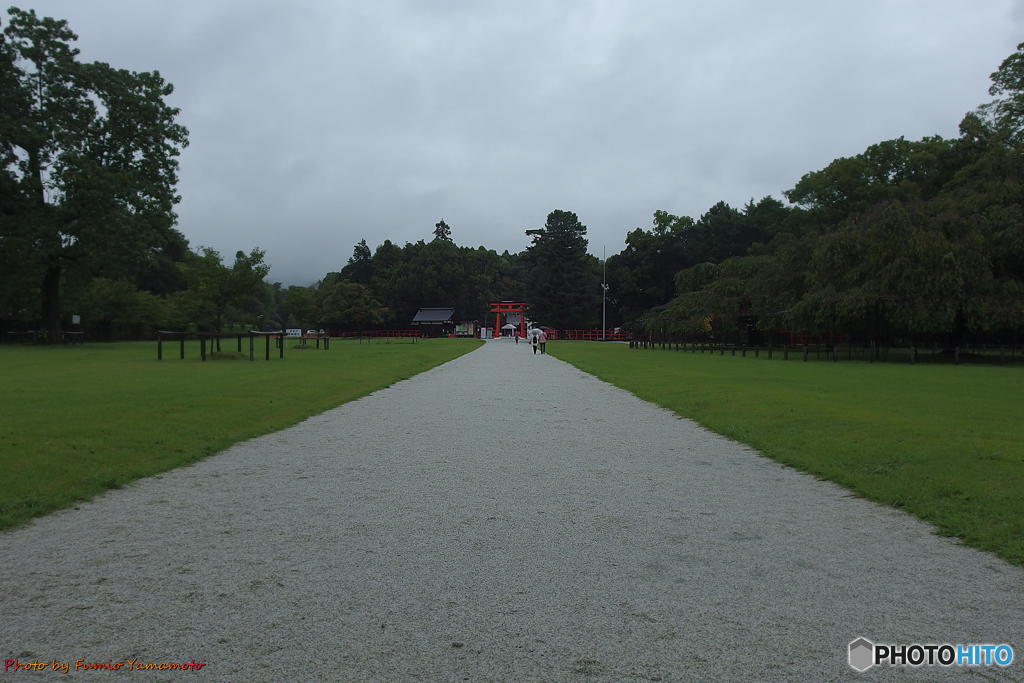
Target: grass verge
(945, 443)
(76, 421)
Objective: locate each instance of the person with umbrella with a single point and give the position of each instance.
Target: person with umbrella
(542, 339)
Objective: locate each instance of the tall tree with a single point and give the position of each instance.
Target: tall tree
(388, 264)
(564, 287)
(442, 231)
(89, 150)
(360, 266)
(1007, 110)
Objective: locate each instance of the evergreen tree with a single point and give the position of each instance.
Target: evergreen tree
(442, 231)
(360, 266)
(564, 287)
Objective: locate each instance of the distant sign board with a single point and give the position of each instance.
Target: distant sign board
(293, 332)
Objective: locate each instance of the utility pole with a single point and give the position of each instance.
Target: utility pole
(604, 291)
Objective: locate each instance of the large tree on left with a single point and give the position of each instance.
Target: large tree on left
(89, 161)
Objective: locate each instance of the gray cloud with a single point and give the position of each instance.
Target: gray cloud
(316, 124)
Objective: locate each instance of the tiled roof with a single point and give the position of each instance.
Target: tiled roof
(433, 315)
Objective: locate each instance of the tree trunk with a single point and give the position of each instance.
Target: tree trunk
(52, 304)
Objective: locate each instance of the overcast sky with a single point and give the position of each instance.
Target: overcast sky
(316, 124)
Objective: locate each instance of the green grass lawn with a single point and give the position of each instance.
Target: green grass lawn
(76, 421)
(945, 443)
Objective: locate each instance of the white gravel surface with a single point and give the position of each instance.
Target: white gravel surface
(501, 517)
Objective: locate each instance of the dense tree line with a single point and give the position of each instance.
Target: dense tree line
(386, 286)
(911, 239)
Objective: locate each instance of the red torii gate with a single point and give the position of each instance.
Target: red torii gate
(501, 308)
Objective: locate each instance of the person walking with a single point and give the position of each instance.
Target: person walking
(542, 339)
(533, 342)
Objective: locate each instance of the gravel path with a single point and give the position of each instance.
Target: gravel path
(403, 536)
